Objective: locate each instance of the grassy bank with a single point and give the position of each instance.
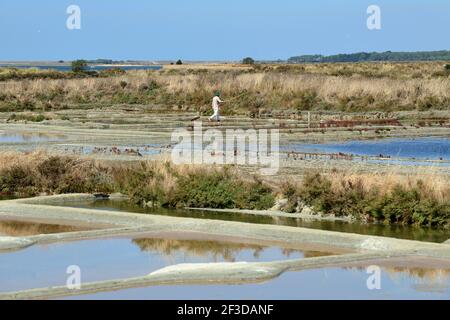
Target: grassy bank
(251, 90)
(416, 199)
(413, 200)
(147, 183)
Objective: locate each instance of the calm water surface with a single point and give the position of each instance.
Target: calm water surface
(395, 231)
(105, 259)
(329, 283)
(413, 148)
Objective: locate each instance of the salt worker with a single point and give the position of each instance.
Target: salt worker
(216, 107)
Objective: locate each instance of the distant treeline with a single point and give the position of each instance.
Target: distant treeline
(104, 61)
(375, 56)
(110, 61)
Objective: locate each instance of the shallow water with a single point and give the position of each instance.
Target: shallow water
(395, 231)
(414, 149)
(121, 150)
(14, 228)
(328, 283)
(30, 137)
(42, 266)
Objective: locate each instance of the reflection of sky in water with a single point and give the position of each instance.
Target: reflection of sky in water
(419, 148)
(328, 283)
(29, 137)
(42, 266)
(397, 231)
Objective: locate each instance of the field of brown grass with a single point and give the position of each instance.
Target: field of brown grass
(338, 87)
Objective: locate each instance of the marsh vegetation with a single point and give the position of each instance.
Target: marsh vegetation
(417, 199)
(260, 88)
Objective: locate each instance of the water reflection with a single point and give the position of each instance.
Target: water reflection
(21, 229)
(105, 259)
(220, 251)
(415, 148)
(395, 231)
(421, 279)
(329, 283)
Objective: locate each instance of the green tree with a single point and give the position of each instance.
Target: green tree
(79, 65)
(179, 62)
(248, 60)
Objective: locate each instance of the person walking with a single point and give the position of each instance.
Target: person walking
(216, 107)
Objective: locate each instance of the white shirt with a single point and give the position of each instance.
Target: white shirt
(215, 102)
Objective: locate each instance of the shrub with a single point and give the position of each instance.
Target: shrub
(378, 199)
(26, 117)
(52, 171)
(255, 195)
(39, 118)
(289, 191)
(222, 190)
(18, 179)
(79, 66)
(248, 60)
(111, 72)
(316, 191)
(410, 206)
(202, 190)
(307, 100)
(402, 204)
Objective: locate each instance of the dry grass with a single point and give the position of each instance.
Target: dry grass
(12, 159)
(404, 70)
(359, 87)
(421, 198)
(435, 185)
(164, 174)
(156, 182)
(208, 66)
(329, 88)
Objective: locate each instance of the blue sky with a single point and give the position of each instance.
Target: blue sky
(217, 29)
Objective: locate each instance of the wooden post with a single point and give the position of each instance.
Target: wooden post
(309, 119)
